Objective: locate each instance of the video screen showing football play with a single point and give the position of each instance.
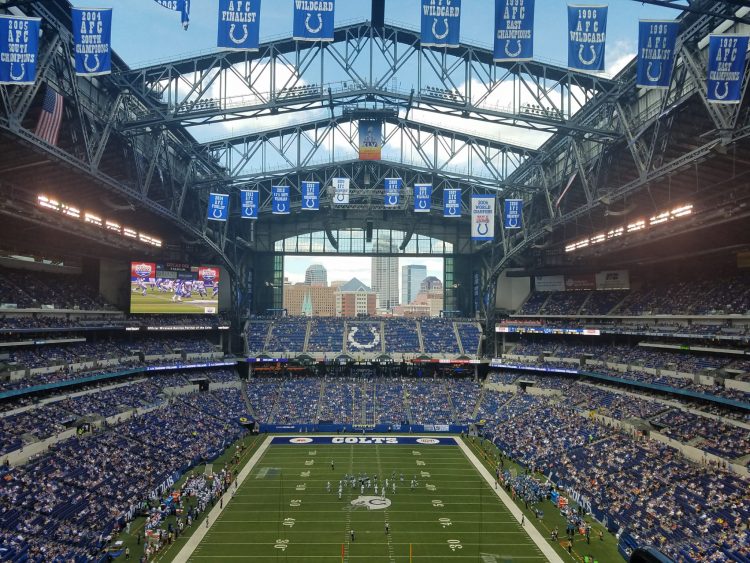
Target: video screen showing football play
(374, 281)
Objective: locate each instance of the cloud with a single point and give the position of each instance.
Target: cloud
(619, 54)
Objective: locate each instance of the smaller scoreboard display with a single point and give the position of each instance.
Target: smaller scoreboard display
(174, 288)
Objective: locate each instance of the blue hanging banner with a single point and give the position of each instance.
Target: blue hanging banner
(726, 68)
(587, 35)
(514, 30)
(218, 207)
(313, 20)
(182, 6)
(19, 43)
(250, 202)
(392, 191)
(310, 196)
(281, 203)
(422, 198)
(656, 52)
(239, 24)
(451, 202)
(92, 34)
(441, 23)
(513, 215)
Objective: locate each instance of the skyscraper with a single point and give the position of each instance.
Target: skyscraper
(412, 277)
(385, 277)
(316, 274)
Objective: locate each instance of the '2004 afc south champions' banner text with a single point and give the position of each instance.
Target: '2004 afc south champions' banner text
(514, 30)
(313, 20)
(218, 207)
(239, 24)
(92, 32)
(441, 23)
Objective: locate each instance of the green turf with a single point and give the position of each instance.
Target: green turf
(157, 302)
(282, 511)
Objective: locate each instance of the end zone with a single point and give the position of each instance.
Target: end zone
(363, 440)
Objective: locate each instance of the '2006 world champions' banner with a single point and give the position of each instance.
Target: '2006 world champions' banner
(441, 23)
(656, 52)
(726, 68)
(19, 44)
(514, 30)
(239, 24)
(587, 35)
(313, 20)
(482, 217)
(92, 34)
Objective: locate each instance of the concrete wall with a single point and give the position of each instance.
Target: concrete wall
(512, 292)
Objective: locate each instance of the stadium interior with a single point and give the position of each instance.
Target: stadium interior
(593, 353)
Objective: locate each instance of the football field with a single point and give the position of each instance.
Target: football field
(158, 302)
(283, 510)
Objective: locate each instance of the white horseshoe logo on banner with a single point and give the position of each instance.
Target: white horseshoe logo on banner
(86, 63)
(726, 91)
(651, 77)
(422, 204)
(512, 222)
(247, 212)
(437, 35)
(585, 62)
(392, 200)
(281, 207)
(19, 77)
(315, 30)
(217, 213)
(507, 48)
(483, 229)
(310, 202)
(452, 211)
(242, 39)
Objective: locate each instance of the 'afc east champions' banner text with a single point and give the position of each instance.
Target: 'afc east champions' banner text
(340, 191)
(218, 207)
(310, 196)
(370, 139)
(19, 42)
(656, 51)
(250, 200)
(482, 217)
(92, 32)
(313, 20)
(280, 197)
(451, 202)
(587, 34)
(392, 191)
(514, 30)
(422, 198)
(513, 213)
(441, 23)
(239, 24)
(726, 68)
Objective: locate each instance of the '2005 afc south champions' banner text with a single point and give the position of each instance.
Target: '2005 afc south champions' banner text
(19, 42)
(92, 32)
(313, 20)
(441, 23)
(514, 30)
(239, 24)
(587, 35)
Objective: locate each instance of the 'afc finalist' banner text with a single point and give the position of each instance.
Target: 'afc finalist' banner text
(482, 217)
(452, 202)
(92, 33)
(422, 198)
(370, 139)
(310, 196)
(513, 213)
(239, 24)
(218, 207)
(441, 23)
(726, 68)
(182, 6)
(340, 191)
(514, 30)
(313, 20)
(250, 200)
(19, 43)
(656, 51)
(280, 200)
(587, 34)
(392, 191)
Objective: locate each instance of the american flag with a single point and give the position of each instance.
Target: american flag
(48, 127)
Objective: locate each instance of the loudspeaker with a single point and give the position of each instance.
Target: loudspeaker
(368, 231)
(378, 14)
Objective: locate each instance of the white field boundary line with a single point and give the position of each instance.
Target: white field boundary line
(187, 550)
(529, 527)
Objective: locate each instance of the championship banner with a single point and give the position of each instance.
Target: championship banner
(370, 139)
(340, 191)
(587, 34)
(482, 217)
(182, 6)
(239, 24)
(441, 23)
(656, 52)
(250, 200)
(310, 196)
(281, 204)
(392, 191)
(92, 34)
(313, 20)
(513, 213)
(514, 30)
(451, 202)
(726, 68)
(218, 207)
(422, 198)
(19, 43)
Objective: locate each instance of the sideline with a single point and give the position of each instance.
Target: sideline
(548, 551)
(187, 550)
